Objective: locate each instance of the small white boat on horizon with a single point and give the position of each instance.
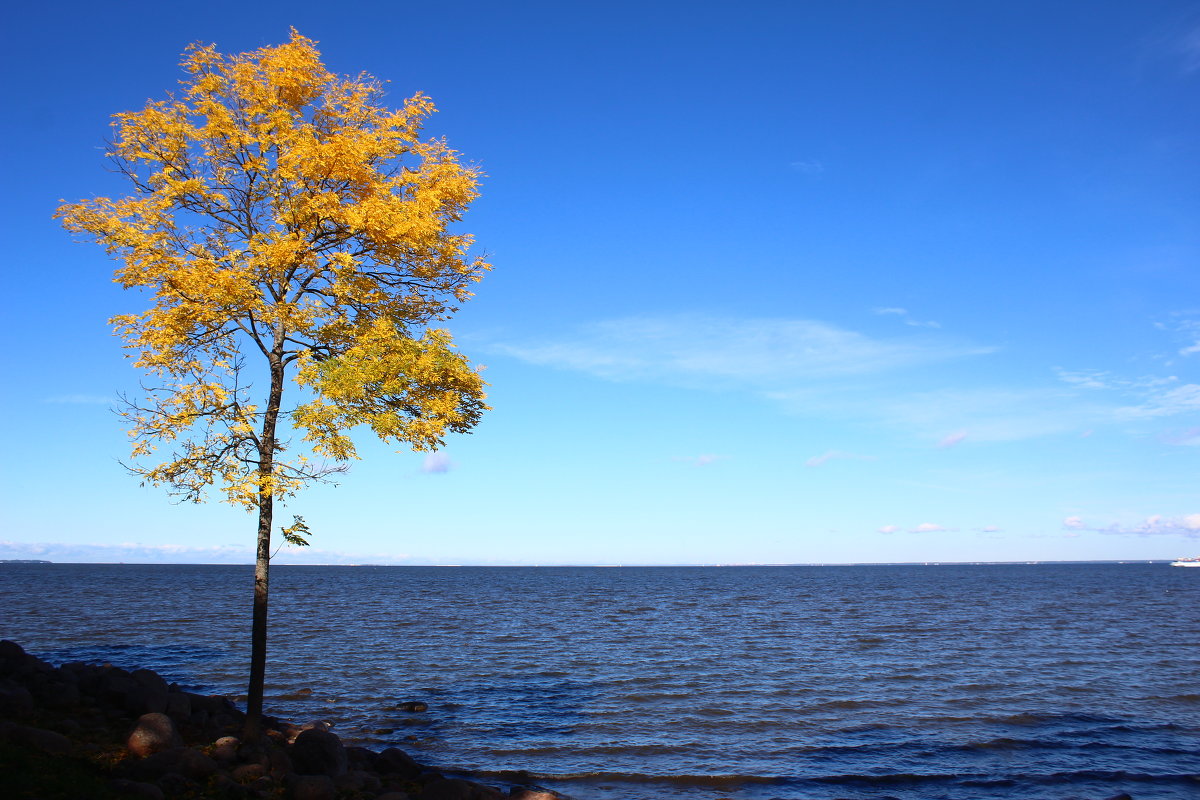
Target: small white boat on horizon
(1186, 562)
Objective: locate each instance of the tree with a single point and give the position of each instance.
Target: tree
(290, 230)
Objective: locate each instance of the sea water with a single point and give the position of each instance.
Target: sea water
(1040, 682)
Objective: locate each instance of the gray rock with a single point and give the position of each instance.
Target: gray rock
(153, 733)
(527, 793)
(319, 752)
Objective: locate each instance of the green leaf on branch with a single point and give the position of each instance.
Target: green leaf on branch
(294, 534)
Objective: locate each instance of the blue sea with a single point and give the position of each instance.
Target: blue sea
(971, 682)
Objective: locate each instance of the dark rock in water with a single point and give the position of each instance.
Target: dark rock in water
(361, 758)
(153, 732)
(310, 787)
(458, 789)
(319, 752)
(11, 651)
(150, 679)
(412, 705)
(147, 791)
(527, 793)
(394, 761)
(178, 706)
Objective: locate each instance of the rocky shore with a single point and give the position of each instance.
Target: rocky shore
(89, 731)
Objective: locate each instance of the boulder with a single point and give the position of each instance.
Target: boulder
(318, 752)
(178, 705)
(528, 793)
(394, 761)
(11, 652)
(143, 699)
(225, 749)
(150, 679)
(154, 732)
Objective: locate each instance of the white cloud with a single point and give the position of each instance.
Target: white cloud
(990, 529)
(1187, 525)
(907, 318)
(763, 353)
(889, 529)
(952, 439)
(810, 167)
(928, 527)
(1165, 403)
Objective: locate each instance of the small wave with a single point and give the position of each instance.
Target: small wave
(718, 781)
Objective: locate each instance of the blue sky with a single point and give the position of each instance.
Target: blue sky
(774, 283)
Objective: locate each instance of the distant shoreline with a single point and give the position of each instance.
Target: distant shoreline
(601, 566)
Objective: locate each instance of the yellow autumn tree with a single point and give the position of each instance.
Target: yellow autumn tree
(294, 236)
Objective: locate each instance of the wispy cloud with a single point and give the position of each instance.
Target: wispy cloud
(809, 167)
(950, 440)
(889, 529)
(1157, 525)
(1187, 47)
(929, 527)
(1189, 437)
(907, 318)
(764, 353)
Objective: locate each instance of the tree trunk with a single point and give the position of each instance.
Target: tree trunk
(262, 562)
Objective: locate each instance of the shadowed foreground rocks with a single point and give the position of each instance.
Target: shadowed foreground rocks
(103, 733)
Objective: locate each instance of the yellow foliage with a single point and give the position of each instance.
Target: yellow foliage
(281, 214)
